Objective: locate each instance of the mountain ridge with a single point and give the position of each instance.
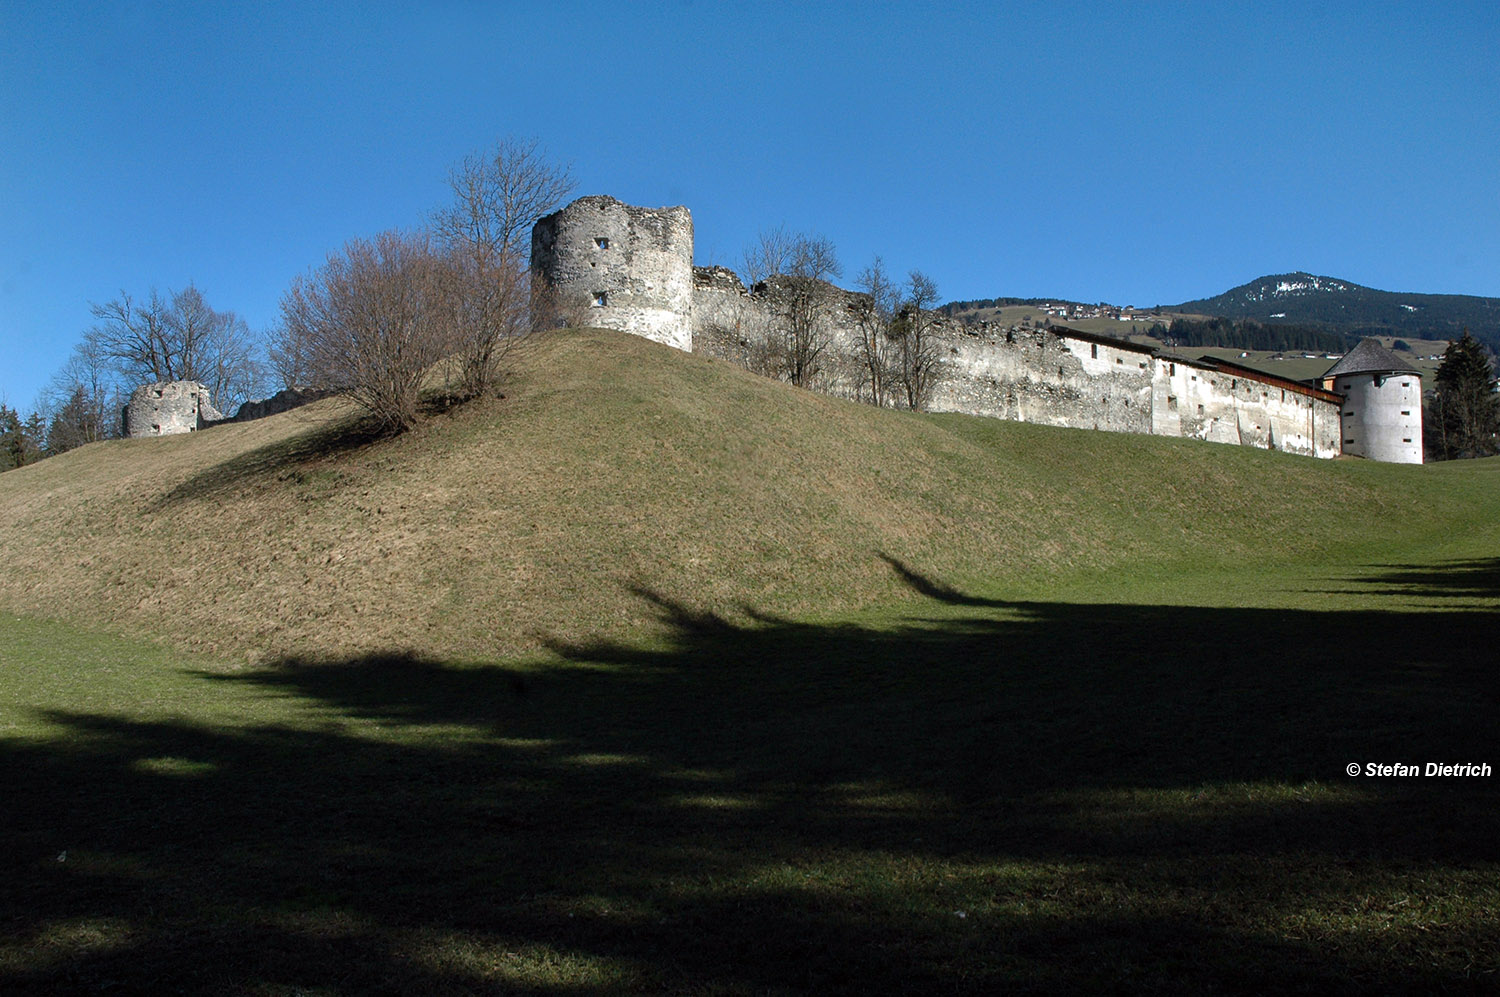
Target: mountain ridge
(1302, 297)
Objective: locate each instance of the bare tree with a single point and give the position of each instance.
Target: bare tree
(485, 235)
(771, 253)
(792, 273)
(217, 347)
(84, 399)
(874, 313)
(134, 335)
(290, 355)
(919, 355)
(179, 338)
(368, 323)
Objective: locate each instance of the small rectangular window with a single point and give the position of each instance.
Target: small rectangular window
(1348, 442)
(602, 242)
(1094, 351)
(1406, 440)
(1405, 384)
(1171, 369)
(1406, 411)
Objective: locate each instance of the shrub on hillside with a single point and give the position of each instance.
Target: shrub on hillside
(369, 322)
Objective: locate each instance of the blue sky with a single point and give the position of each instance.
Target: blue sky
(1133, 153)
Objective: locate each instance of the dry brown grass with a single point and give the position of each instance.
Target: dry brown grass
(612, 466)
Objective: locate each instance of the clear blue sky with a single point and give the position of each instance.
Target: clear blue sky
(1133, 153)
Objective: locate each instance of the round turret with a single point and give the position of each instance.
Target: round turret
(1382, 413)
(601, 262)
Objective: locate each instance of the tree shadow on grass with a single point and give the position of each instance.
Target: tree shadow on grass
(1015, 795)
(284, 457)
(1468, 579)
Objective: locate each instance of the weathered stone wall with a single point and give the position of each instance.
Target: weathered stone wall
(726, 322)
(1055, 377)
(732, 323)
(1223, 403)
(618, 266)
(167, 408)
(172, 407)
(283, 401)
(1044, 377)
(630, 269)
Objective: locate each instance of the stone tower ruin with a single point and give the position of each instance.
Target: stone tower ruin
(602, 262)
(167, 408)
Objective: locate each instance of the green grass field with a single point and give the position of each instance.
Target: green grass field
(656, 677)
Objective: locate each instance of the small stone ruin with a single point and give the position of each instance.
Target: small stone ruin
(167, 408)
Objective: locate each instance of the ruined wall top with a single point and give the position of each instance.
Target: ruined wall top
(717, 278)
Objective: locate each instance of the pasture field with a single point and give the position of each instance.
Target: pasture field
(656, 677)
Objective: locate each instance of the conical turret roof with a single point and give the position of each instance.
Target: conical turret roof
(1369, 357)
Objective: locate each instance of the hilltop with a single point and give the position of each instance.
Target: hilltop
(615, 471)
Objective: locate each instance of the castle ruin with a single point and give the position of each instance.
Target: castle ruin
(601, 262)
(608, 264)
(167, 408)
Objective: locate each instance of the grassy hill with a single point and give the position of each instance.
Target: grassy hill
(654, 676)
(615, 464)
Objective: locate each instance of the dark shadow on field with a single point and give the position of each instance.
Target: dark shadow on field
(284, 458)
(1478, 578)
(774, 806)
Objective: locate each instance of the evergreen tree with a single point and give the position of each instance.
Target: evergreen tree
(20, 440)
(11, 450)
(1465, 414)
(33, 438)
(77, 422)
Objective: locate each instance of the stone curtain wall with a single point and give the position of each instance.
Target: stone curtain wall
(1038, 376)
(1049, 376)
(283, 401)
(628, 268)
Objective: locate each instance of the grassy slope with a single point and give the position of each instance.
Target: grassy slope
(1085, 730)
(616, 464)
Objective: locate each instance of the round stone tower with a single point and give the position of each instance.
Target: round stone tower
(1382, 414)
(605, 263)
